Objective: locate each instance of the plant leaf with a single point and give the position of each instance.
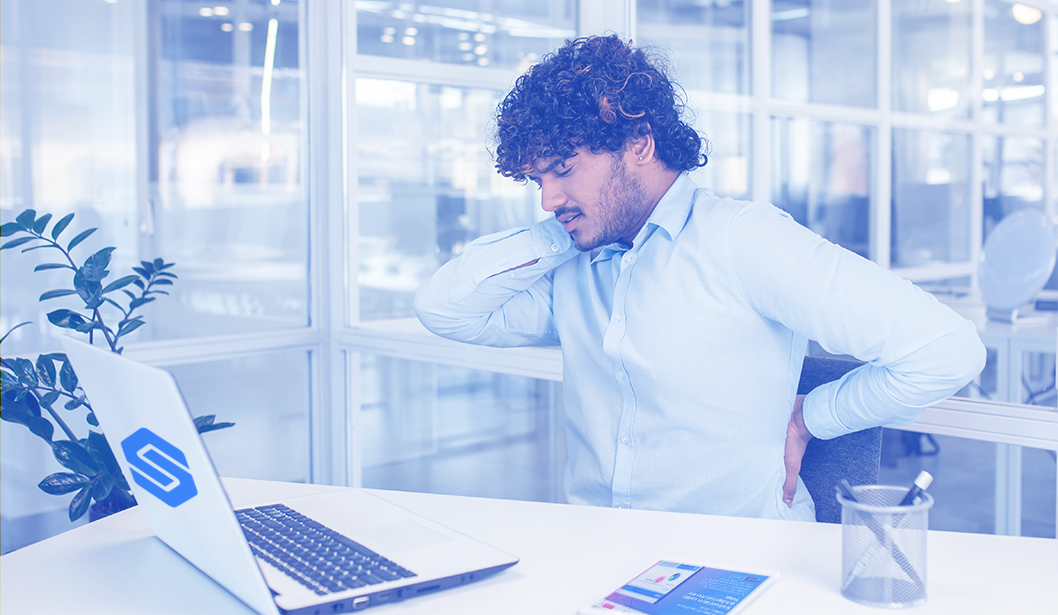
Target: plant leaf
(101, 486)
(120, 283)
(52, 294)
(205, 423)
(6, 230)
(204, 420)
(79, 238)
(68, 319)
(14, 243)
(25, 372)
(41, 224)
(38, 426)
(41, 247)
(95, 267)
(90, 291)
(32, 405)
(129, 327)
(62, 482)
(61, 225)
(26, 218)
(162, 282)
(115, 304)
(21, 324)
(17, 410)
(104, 456)
(74, 403)
(215, 427)
(48, 399)
(47, 266)
(67, 377)
(91, 419)
(8, 378)
(74, 457)
(79, 504)
(46, 370)
(138, 302)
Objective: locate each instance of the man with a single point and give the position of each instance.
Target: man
(683, 317)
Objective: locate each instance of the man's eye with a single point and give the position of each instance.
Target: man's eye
(564, 172)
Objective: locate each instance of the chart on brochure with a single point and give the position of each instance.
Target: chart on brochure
(670, 588)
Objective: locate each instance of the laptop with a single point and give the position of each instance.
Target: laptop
(335, 552)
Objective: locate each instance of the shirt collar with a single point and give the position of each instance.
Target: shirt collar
(670, 214)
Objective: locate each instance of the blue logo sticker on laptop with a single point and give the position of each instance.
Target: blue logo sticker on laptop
(159, 467)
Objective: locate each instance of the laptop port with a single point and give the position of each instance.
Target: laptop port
(383, 597)
(361, 603)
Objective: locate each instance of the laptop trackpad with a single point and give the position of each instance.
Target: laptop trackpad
(401, 536)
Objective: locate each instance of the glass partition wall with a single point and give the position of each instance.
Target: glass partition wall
(307, 164)
(179, 129)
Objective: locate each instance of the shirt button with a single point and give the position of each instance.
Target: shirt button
(621, 375)
(619, 506)
(624, 439)
(554, 247)
(617, 317)
(629, 258)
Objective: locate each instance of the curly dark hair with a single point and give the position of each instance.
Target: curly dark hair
(597, 92)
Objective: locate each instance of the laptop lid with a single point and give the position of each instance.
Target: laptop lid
(145, 420)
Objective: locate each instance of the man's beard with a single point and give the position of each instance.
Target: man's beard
(616, 212)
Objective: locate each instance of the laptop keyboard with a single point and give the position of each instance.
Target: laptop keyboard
(314, 555)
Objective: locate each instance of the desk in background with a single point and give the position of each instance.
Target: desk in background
(1035, 333)
(570, 555)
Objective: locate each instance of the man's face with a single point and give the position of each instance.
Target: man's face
(594, 196)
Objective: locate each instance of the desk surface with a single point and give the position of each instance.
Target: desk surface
(570, 555)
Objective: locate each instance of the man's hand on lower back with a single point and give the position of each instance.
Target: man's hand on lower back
(797, 437)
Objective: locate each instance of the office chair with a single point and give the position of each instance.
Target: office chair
(855, 456)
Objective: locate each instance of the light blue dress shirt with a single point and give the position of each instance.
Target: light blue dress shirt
(682, 353)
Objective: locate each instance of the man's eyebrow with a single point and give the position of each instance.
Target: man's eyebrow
(551, 165)
(534, 173)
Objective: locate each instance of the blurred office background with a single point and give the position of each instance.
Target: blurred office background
(307, 164)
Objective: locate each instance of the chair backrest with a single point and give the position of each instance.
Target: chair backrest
(856, 456)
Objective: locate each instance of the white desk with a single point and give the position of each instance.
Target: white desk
(1011, 342)
(569, 556)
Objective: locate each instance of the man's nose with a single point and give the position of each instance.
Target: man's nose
(551, 198)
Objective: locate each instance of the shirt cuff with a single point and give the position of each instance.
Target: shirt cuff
(818, 410)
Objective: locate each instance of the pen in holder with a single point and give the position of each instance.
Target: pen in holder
(883, 546)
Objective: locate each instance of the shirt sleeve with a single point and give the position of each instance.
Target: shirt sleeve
(486, 297)
(918, 351)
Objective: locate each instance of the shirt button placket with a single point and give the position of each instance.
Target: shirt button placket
(625, 450)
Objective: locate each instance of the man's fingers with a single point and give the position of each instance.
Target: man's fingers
(789, 488)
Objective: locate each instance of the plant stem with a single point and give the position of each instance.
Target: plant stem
(96, 316)
(62, 424)
(58, 419)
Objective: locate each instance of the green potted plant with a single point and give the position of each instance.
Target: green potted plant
(32, 390)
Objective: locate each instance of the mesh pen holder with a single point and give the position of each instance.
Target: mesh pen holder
(884, 547)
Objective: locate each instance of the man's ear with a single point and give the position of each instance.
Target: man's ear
(642, 148)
